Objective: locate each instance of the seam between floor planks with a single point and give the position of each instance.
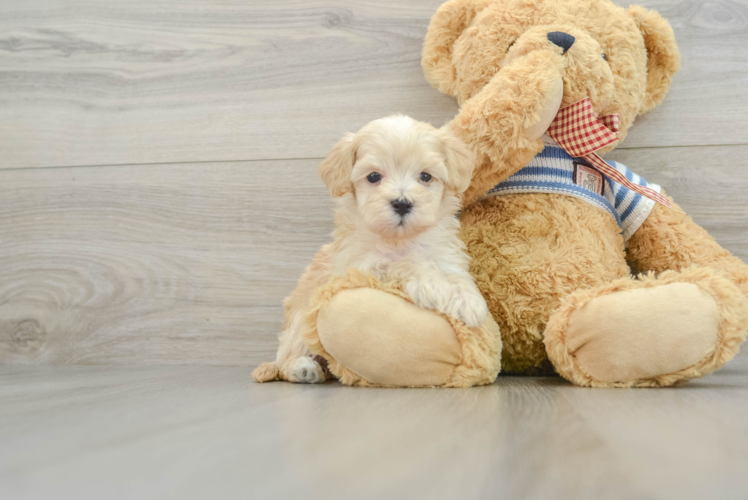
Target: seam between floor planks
(210, 81)
(319, 158)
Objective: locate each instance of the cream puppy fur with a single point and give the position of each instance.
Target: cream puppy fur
(397, 184)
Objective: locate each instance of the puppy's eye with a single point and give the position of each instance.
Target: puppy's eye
(374, 177)
(605, 58)
(425, 177)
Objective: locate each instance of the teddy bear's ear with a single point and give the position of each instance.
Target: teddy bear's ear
(337, 167)
(459, 160)
(663, 56)
(450, 20)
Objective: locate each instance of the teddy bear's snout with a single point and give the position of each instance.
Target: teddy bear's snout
(563, 40)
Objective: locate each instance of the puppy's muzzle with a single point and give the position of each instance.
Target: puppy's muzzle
(402, 207)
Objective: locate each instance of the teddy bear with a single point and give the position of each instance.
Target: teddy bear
(551, 227)
(550, 254)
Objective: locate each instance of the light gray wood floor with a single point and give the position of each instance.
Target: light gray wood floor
(208, 432)
(158, 199)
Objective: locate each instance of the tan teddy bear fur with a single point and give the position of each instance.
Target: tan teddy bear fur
(553, 268)
(371, 334)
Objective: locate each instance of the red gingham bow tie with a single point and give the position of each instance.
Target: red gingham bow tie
(580, 134)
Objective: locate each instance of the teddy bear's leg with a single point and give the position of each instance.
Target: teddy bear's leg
(648, 332)
(671, 240)
(372, 334)
(528, 251)
(656, 331)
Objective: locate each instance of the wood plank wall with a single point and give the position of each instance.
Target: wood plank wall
(158, 188)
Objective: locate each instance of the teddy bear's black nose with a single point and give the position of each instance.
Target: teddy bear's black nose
(563, 40)
(402, 207)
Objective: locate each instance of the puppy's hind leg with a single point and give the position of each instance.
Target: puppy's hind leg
(304, 370)
(294, 362)
(266, 372)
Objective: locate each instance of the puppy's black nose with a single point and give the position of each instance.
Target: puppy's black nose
(563, 40)
(402, 207)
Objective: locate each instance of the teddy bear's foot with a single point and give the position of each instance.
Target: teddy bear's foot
(373, 334)
(387, 340)
(648, 332)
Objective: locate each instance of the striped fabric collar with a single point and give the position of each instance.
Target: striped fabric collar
(553, 171)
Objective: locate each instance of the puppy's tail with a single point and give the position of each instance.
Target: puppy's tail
(266, 372)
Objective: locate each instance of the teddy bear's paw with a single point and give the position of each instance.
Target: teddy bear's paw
(304, 370)
(468, 306)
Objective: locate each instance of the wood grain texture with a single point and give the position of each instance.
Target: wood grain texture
(188, 264)
(708, 182)
(209, 432)
(154, 264)
(86, 82)
(194, 80)
(707, 103)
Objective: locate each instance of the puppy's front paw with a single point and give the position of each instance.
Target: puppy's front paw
(429, 292)
(468, 306)
(304, 370)
(456, 297)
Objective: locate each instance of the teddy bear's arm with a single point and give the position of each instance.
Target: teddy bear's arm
(671, 240)
(504, 122)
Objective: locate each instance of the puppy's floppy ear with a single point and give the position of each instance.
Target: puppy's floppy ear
(336, 169)
(459, 159)
(663, 56)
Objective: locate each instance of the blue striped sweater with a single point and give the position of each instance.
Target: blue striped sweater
(553, 171)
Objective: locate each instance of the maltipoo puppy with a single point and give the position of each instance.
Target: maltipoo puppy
(397, 183)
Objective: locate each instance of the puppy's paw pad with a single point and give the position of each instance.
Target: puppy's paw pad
(305, 371)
